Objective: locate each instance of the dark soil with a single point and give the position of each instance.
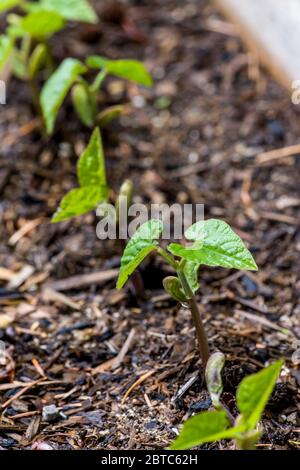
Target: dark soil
(194, 137)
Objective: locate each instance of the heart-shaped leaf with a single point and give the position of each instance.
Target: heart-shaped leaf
(125, 68)
(79, 201)
(42, 24)
(91, 164)
(56, 89)
(139, 246)
(208, 426)
(216, 244)
(254, 392)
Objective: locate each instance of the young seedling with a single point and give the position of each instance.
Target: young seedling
(70, 76)
(214, 243)
(25, 47)
(211, 426)
(93, 191)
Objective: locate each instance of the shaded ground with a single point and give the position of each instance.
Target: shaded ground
(194, 137)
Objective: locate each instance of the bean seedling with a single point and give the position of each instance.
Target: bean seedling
(214, 243)
(24, 47)
(70, 76)
(252, 396)
(93, 191)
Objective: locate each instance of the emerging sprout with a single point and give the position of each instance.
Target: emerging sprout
(252, 396)
(213, 378)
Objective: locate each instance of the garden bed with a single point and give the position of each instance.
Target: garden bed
(197, 136)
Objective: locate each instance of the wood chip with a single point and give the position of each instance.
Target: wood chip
(138, 382)
(50, 295)
(19, 393)
(21, 277)
(120, 357)
(6, 274)
(25, 229)
(262, 321)
(33, 428)
(286, 219)
(278, 154)
(81, 280)
(103, 367)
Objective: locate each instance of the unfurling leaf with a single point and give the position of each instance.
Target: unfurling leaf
(208, 426)
(42, 24)
(6, 45)
(213, 377)
(79, 201)
(216, 244)
(91, 164)
(36, 60)
(108, 114)
(139, 246)
(124, 68)
(57, 87)
(173, 287)
(82, 104)
(254, 392)
(190, 270)
(72, 10)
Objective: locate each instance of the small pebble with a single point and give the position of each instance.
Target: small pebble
(138, 101)
(151, 425)
(50, 413)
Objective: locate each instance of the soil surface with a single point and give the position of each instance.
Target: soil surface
(195, 137)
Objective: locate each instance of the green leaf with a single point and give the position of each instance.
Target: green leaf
(91, 164)
(213, 377)
(216, 244)
(72, 10)
(139, 246)
(18, 66)
(108, 114)
(190, 270)
(57, 87)
(82, 104)
(173, 287)
(79, 201)
(125, 68)
(208, 426)
(42, 24)
(36, 60)
(254, 391)
(6, 45)
(8, 4)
